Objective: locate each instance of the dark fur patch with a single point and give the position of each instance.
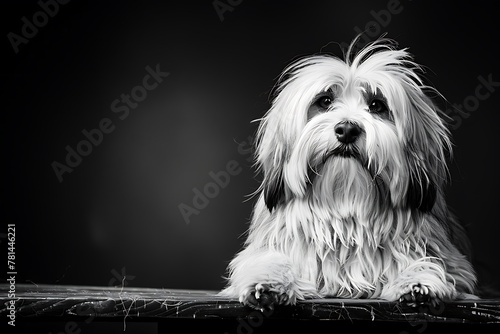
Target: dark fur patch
(421, 195)
(274, 190)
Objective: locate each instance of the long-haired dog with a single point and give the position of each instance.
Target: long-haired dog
(351, 204)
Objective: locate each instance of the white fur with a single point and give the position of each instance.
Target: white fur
(352, 227)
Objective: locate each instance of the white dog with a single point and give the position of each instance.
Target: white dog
(351, 204)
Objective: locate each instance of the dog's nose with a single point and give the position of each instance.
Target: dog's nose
(347, 132)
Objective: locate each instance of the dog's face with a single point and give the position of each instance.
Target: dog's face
(341, 130)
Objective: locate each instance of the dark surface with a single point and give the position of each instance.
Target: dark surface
(99, 307)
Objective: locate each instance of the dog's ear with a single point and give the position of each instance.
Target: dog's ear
(427, 141)
(270, 161)
(279, 130)
(271, 156)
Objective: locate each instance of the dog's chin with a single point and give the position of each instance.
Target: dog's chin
(346, 156)
(345, 185)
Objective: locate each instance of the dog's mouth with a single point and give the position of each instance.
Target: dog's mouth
(343, 151)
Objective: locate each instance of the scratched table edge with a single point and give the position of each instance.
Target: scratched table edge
(207, 304)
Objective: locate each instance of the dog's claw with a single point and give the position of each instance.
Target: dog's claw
(263, 298)
(418, 295)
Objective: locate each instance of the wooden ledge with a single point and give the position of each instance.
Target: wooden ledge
(38, 302)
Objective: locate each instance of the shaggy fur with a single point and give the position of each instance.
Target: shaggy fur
(363, 217)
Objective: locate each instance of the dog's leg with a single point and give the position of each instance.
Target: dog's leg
(262, 279)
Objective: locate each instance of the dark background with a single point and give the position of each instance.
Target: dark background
(117, 214)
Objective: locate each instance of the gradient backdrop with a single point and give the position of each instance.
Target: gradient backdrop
(117, 213)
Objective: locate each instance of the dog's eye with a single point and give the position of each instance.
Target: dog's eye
(321, 104)
(324, 102)
(377, 106)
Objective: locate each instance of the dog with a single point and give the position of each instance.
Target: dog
(353, 156)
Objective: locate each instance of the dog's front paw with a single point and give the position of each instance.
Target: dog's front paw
(418, 294)
(266, 296)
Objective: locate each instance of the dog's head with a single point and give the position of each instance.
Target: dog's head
(334, 122)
